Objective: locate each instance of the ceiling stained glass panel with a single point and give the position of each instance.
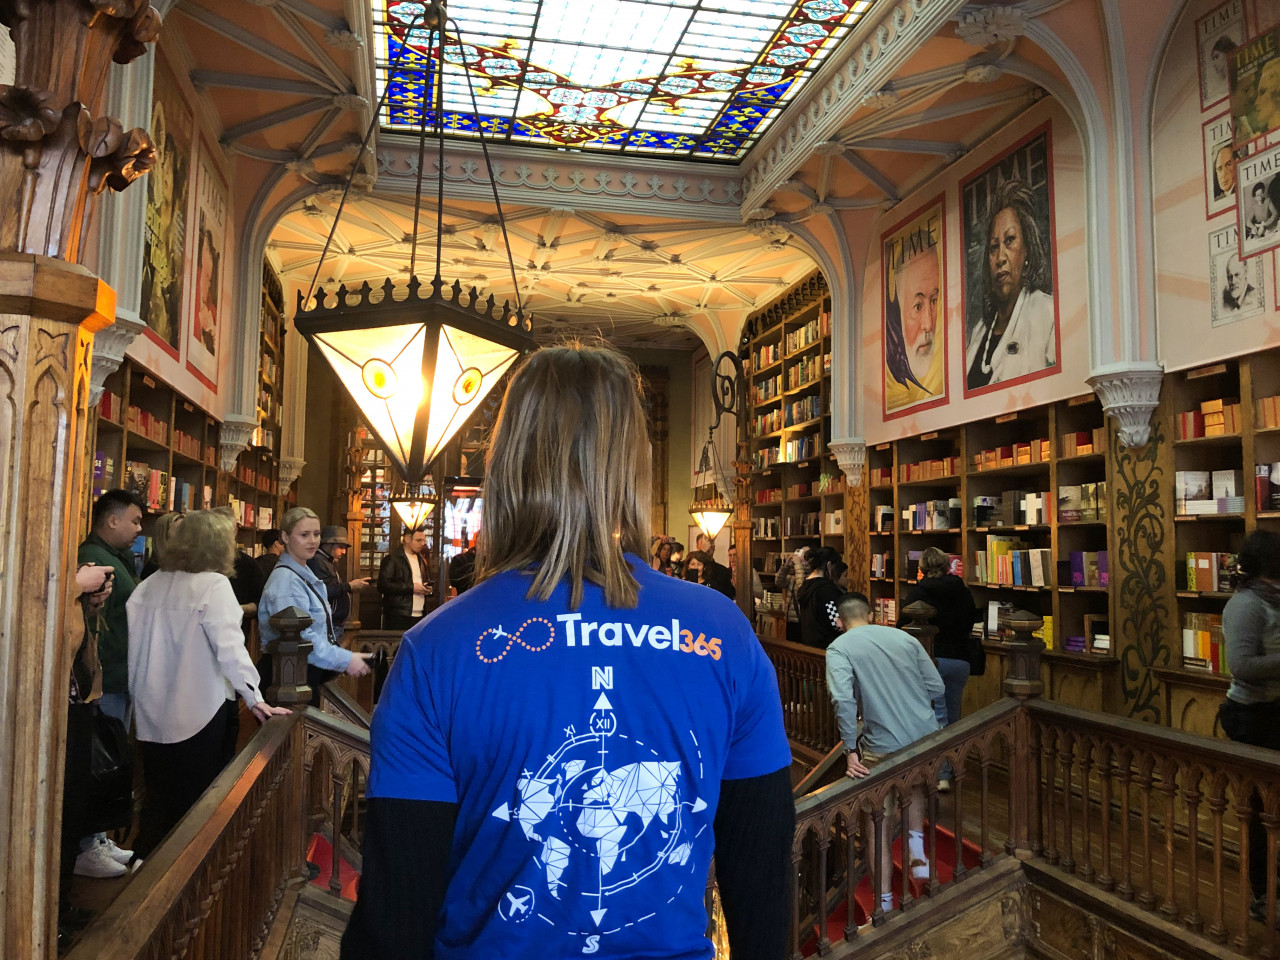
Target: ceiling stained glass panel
(693, 79)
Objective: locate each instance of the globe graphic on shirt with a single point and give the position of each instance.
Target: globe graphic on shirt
(605, 814)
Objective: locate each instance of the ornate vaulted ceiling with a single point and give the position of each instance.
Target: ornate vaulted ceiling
(641, 281)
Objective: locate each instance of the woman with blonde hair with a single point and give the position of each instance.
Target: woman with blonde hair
(165, 527)
(293, 584)
(187, 662)
(572, 686)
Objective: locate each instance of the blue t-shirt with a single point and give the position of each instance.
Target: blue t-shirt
(585, 752)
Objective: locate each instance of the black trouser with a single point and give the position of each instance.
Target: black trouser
(400, 621)
(175, 774)
(75, 793)
(1257, 724)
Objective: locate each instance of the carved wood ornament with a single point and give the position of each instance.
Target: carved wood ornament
(58, 152)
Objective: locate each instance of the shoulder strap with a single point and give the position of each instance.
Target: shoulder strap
(328, 620)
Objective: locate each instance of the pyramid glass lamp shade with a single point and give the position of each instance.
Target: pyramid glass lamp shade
(417, 366)
(711, 518)
(413, 511)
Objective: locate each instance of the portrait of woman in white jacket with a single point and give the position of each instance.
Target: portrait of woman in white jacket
(187, 663)
(1016, 335)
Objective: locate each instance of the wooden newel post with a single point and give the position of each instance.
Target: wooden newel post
(289, 687)
(1024, 684)
(1023, 679)
(919, 625)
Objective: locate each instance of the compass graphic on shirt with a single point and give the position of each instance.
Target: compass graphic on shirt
(607, 814)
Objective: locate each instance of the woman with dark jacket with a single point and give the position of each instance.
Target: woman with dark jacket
(1251, 712)
(958, 653)
(818, 597)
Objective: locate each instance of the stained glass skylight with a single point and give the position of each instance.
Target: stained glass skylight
(693, 79)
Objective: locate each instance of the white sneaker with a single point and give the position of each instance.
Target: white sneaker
(97, 862)
(919, 869)
(117, 854)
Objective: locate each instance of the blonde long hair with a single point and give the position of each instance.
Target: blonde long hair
(567, 475)
(204, 541)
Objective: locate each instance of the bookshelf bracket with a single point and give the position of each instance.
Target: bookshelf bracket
(1130, 394)
(851, 455)
(234, 441)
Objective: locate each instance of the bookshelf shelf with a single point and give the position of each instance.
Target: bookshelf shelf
(1017, 470)
(948, 481)
(1221, 440)
(1206, 594)
(1208, 517)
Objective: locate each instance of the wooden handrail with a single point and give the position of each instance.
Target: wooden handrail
(336, 702)
(198, 894)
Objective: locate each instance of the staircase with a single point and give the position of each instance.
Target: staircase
(1067, 834)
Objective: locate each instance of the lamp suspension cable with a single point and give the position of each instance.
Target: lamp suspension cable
(364, 145)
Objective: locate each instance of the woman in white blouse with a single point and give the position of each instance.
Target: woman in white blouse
(187, 662)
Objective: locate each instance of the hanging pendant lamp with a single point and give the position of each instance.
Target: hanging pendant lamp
(417, 359)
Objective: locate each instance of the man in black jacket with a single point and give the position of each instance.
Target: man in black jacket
(327, 565)
(404, 580)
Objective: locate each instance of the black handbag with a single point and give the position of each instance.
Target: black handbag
(109, 778)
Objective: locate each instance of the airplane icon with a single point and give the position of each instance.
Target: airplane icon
(517, 904)
(499, 632)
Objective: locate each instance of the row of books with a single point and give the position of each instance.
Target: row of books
(766, 528)
(882, 565)
(771, 495)
(249, 515)
(772, 560)
(806, 489)
(764, 458)
(1011, 455)
(1215, 418)
(830, 481)
(160, 491)
(1266, 413)
(885, 610)
(808, 370)
(144, 423)
(1083, 442)
(192, 447)
(110, 407)
(932, 515)
(804, 410)
(763, 423)
(802, 447)
(1081, 503)
(1202, 646)
(1012, 508)
(1007, 561)
(1208, 492)
(1211, 572)
(766, 389)
(803, 524)
(1089, 568)
(766, 355)
(1266, 485)
(810, 333)
(937, 469)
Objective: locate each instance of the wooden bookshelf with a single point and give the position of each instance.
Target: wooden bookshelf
(797, 489)
(890, 489)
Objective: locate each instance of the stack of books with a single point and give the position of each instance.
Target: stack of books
(1215, 418)
(882, 518)
(881, 476)
(1013, 455)
(938, 469)
(145, 424)
(1266, 413)
(1266, 486)
(109, 406)
(885, 610)
(1209, 492)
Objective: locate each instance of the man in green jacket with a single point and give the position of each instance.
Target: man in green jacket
(117, 521)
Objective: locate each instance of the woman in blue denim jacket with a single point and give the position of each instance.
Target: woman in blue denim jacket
(292, 584)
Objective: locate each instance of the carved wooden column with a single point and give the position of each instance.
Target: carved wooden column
(58, 154)
(1023, 683)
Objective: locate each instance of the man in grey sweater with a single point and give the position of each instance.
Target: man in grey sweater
(887, 672)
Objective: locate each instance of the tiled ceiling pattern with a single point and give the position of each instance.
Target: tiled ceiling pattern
(697, 79)
(638, 281)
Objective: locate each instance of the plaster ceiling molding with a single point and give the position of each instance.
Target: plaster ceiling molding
(998, 23)
(983, 73)
(109, 347)
(233, 440)
(524, 178)
(856, 71)
(851, 456)
(1130, 393)
(344, 39)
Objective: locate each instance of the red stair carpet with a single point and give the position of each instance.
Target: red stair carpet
(864, 900)
(320, 852)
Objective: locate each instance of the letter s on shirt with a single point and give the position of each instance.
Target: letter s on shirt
(593, 944)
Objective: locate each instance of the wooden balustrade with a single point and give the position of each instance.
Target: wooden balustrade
(335, 760)
(807, 712)
(1138, 810)
(841, 829)
(213, 888)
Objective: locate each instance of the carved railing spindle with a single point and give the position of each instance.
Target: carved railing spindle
(1066, 763)
(1217, 807)
(1086, 870)
(1105, 880)
(824, 843)
(1147, 898)
(797, 910)
(1048, 754)
(1191, 798)
(1244, 817)
(1124, 770)
(1169, 790)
